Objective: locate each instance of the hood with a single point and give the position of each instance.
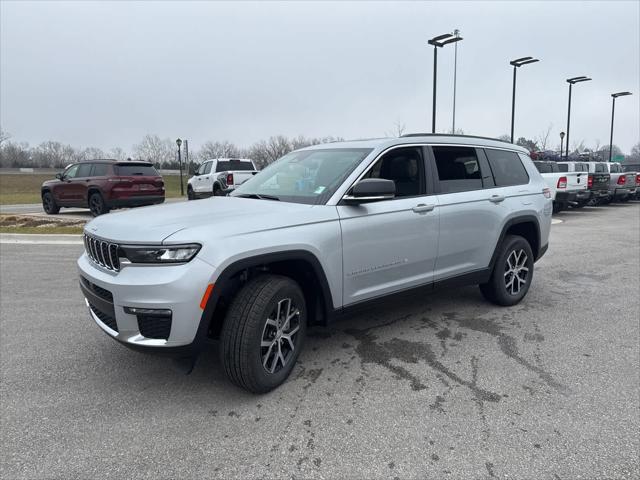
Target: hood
(222, 215)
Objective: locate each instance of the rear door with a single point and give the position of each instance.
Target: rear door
(471, 210)
(390, 245)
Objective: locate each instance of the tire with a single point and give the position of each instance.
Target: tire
(503, 288)
(97, 204)
(49, 204)
(217, 191)
(557, 207)
(190, 193)
(252, 322)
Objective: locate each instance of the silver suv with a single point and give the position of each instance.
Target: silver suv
(321, 231)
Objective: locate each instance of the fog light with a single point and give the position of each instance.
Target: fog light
(149, 312)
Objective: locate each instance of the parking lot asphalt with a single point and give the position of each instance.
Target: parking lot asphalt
(442, 386)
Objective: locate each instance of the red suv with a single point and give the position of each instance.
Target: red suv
(102, 185)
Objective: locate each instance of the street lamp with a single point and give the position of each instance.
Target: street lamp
(571, 81)
(439, 41)
(179, 143)
(613, 109)
(517, 63)
(561, 139)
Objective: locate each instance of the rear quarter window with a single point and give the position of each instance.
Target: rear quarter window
(139, 169)
(507, 168)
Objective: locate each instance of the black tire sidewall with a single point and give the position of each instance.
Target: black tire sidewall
(102, 204)
(500, 293)
(53, 207)
(264, 378)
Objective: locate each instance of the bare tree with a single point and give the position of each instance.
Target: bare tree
(398, 129)
(4, 136)
(91, 153)
(543, 139)
(224, 149)
(156, 150)
(117, 153)
(505, 138)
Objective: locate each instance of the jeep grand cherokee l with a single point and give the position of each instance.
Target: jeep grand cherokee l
(321, 231)
(101, 185)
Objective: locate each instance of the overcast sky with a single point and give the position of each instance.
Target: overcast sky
(104, 74)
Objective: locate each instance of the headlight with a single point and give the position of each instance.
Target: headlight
(160, 254)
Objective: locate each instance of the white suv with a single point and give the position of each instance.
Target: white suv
(321, 231)
(219, 177)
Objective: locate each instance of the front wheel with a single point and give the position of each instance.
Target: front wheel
(97, 204)
(512, 272)
(190, 194)
(49, 204)
(263, 333)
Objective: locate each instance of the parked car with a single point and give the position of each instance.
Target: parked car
(324, 230)
(567, 188)
(634, 168)
(219, 177)
(597, 180)
(622, 185)
(102, 185)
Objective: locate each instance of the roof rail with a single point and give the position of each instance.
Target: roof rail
(452, 135)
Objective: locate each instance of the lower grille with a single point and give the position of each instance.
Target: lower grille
(99, 291)
(154, 327)
(108, 320)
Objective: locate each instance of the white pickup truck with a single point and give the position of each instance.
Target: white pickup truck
(219, 176)
(567, 188)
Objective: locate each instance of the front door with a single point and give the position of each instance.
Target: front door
(202, 183)
(390, 245)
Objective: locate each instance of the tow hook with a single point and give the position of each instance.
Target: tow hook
(185, 364)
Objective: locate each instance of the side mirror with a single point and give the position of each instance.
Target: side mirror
(371, 190)
(59, 176)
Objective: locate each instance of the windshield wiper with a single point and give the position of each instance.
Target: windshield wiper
(259, 197)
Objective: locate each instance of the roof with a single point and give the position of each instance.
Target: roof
(437, 138)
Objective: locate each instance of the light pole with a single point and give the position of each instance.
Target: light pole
(179, 143)
(571, 81)
(613, 110)
(561, 139)
(438, 42)
(456, 32)
(517, 63)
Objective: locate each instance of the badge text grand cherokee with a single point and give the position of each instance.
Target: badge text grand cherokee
(321, 230)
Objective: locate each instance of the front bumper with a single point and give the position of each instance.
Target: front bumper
(175, 288)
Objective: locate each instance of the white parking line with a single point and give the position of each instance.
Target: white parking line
(555, 221)
(37, 239)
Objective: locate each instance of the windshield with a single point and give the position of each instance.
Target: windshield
(307, 176)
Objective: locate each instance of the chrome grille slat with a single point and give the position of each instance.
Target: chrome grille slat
(102, 252)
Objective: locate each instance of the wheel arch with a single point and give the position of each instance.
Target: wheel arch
(300, 265)
(526, 226)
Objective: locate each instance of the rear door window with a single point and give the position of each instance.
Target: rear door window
(507, 168)
(99, 170)
(458, 169)
(84, 170)
(137, 169)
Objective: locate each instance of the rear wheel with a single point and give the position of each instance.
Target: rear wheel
(557, 207)
(263, 333)
(97, 204)
(49, 204)
(217, 191)
(512, 272)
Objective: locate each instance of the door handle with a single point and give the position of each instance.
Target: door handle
(421, 208)
(496, 198)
